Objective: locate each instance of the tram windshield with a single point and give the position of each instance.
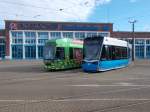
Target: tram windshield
(49, 52)
(52, 52)
(92, 49)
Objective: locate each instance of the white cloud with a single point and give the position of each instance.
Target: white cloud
(49, 10)
(146, 28)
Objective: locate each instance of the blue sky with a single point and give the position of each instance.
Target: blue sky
(118, 12)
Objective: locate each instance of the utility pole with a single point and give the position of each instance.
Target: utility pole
(133, 38)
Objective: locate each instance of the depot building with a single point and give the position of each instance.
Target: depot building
(26, 39)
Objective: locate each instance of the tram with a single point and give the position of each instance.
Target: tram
(62, 54)
(105, 53)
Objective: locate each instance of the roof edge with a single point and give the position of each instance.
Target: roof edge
(56, 22)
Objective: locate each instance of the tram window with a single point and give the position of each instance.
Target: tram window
(110, 52)
(104, 53)
(71, 53)
(113, 53)
(60, 53)
(129, 53)
(124, 53)
(118, 52)
(77, 54)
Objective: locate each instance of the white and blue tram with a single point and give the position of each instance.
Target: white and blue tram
(105, 53)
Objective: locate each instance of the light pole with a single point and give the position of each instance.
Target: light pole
(133, 39)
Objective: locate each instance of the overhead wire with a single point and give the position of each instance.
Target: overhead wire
(62, 10)
(34, 6)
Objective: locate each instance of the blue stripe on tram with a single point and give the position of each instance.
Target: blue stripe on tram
(108, 65)
(105, 65)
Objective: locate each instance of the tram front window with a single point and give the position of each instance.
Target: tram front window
(91, 50)
(49, 52)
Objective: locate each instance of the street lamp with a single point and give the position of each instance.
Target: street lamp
(133, 38)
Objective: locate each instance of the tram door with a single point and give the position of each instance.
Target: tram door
(30, 52)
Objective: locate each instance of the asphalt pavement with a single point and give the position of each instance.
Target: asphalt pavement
(26, 87)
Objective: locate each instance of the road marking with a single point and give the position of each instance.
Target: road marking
(13, 100)
(124, 84)
(113, 85)
(77, 99)
(28, 79)
(27, 101)
(105, 78)
(114, 99)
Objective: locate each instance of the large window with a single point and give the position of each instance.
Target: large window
(139, 41)
(42, 37)
(30, 37)
(91, 34)
(30, 52)
(148, 42)
(2, 41)
(17, 37)
(2, 51)
(139, 51)
(40, 51)
(17, 51)
(80, 35)
(148, 51)
(67, 34)
(104, 34)
(55, 35)
(113, 53)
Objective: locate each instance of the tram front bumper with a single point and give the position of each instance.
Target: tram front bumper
(90, 66)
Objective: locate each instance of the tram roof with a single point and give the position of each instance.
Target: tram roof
(115, 42)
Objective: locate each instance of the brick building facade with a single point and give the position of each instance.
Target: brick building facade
(26, 39)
